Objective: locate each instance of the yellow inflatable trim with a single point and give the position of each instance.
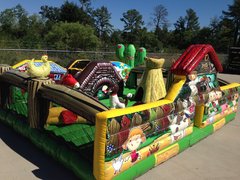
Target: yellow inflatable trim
(99, 147)
(229, 86)
(219, 124)
(199, 111)
(175, 88)
(166, 154)
(119, 112)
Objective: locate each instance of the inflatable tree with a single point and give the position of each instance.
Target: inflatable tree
(152, 87)
(129, 55)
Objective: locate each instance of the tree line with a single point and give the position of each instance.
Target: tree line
(78, 26)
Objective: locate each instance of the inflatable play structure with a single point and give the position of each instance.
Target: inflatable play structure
(99, 138)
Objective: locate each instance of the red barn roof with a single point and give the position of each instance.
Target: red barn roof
(192, 56)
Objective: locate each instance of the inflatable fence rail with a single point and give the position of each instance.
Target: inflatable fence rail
(120, 143)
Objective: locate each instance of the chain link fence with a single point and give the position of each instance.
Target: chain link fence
(62, 57)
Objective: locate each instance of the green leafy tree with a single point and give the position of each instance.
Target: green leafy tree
(179, 33)
(204, 36)
(87, 12)
(160, 23)
(215, 32)
(70, 12)
(225, 35)
(214, 25)
(13, 21)
(186, 29)
(192, 23)
(143, 37)
(23, 30)
(192, 27)
(233, 15)
(35, 33)
(8, 21)
(222, 30)
(180, 25)
(72, 36)
(159, 18)
(102, 23)
(50, 13)
(23, 21)
(115, 37)
(85, 5)
(149, 40)
(133, 24)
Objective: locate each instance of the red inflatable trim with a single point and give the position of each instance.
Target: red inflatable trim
(190, 59)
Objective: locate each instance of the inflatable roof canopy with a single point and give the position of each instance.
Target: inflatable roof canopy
(191, 58)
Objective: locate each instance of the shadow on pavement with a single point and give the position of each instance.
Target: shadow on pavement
(48, 168)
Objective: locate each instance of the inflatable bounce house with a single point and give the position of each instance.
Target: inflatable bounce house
(124, 135)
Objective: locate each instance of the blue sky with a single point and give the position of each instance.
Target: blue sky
(205, 9)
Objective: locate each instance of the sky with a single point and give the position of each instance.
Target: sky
(205, 9)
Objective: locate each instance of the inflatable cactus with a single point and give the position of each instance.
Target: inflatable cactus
(129, 56)
(141, 54)
(120, 52)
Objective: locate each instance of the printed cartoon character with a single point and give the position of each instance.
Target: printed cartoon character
(113, 97)
(205, 64)
(193, 76)
(205, 67)
(235, 99)
(193, 81)
(194, 89)
(189, 107)
(178, 135)
(212, 68)
(212, 96)
(213, 105)
(124, 131)
(179, 123)
(135, 138)
(117, 164)
(224, 108)
(218, 94)
(211, 79)
(203, 85)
